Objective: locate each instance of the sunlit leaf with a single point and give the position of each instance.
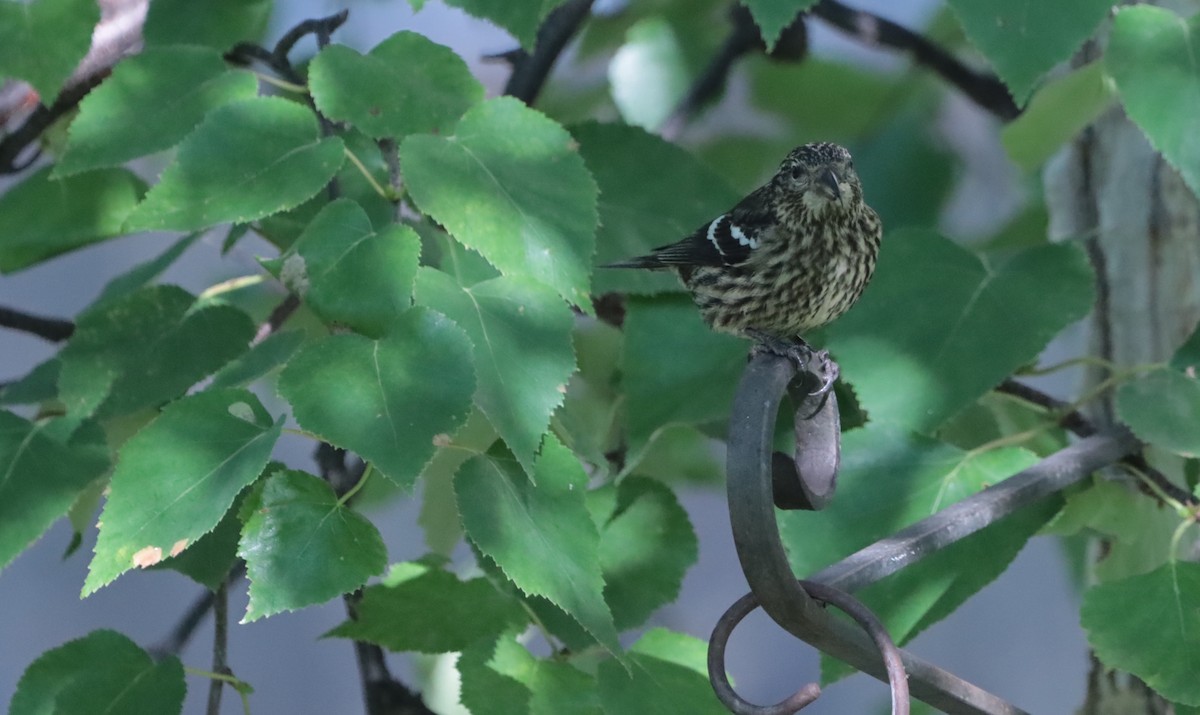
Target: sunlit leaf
(42, 41)
(525, 524)
(302, 547)
(152, 101)
(404, 85)
(43, 217)
(246, 160)
(521, 333)
(103, 672)
(425, 609)
(177, 478)
(510, 184)
(1152, 57)
(393, 400)
(1149, 626)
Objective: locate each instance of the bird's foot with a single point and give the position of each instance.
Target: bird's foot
(802, 356)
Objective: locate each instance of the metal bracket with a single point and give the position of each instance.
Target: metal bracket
(752, 478)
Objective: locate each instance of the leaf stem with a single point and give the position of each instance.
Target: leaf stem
(362, 168)
(1090, 360)
(231, 285)
(357, 486)
(280, 83)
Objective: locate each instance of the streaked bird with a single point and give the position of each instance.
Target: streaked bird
(792, 256)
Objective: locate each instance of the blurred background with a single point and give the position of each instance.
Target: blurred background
(1018, 638)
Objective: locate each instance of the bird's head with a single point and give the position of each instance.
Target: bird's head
(821, 177)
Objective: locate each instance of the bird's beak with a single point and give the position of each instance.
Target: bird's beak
(829, 178)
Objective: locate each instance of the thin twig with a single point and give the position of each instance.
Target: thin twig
(220, 646)
(244, 53)
(14, 144)
(391, 157)
(530, 71)
(1074, 421)
(743, 37)
(278, 317)
(183, 631)
(984, 89)
(54, 330)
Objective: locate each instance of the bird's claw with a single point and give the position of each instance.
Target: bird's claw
(802, 355)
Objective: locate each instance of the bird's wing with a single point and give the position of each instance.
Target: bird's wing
(727, 240)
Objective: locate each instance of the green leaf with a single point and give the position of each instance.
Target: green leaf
(350, 274)
(210, 560)
(439, 514)
(245, 161)
(42, 41)
(151, 102)
(41, 474)
(102, 672)
(918, 352)
(146, 348)
(886, 161)
(1060, 110)
(218, 24)
(648, 75)
(484, 687)
(521, 19)
(261, 359)
(392, 400)
(1149, 626)
(510, 185)
(144, 272)
(924, 477)
(43, 217)
(853, 100)
(640, 211)
(1137, 531)
(302, 547)
(661, 387)
(1187, 358)
(1163, 407)
(667, 677)
(38, 385)
(772, 16)
(1025, 38)
(177, 478)
(524, 525)
(646, 546)
(521, 332)
(405, 85)
(1151, 55)
(554, 687)
(429, 610)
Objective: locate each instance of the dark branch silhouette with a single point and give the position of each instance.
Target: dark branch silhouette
(985, 89)
(1076, 423)
(531, 70)
(54, 330)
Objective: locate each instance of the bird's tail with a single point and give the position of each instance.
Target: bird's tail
(651, 262)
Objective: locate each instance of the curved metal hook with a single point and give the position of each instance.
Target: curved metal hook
(717, 676)
(760, 550)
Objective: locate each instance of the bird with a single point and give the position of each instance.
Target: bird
(792, 256)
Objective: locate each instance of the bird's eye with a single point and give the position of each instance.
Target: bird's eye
(797, 172)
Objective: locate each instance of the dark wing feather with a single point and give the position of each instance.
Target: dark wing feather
(727, 240)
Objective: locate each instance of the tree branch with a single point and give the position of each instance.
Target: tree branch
(984, 89)
(118, 33)
(51, 329)
(220, 646)
(530, 71)
(743, 37)
(1075, 422)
